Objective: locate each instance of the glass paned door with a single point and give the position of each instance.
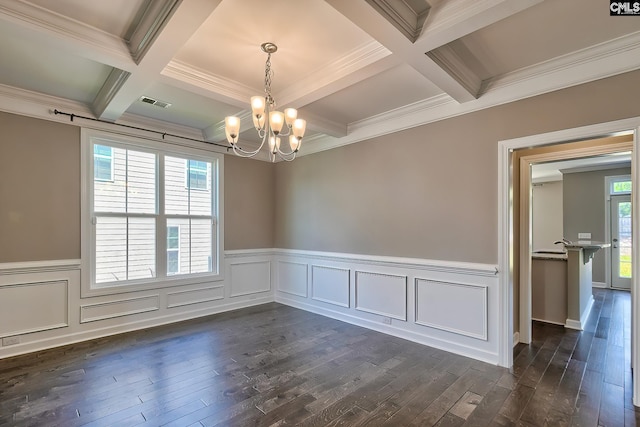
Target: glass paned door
(621, 243)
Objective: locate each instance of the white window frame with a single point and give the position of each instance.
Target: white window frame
(160, 148)
(611, 180)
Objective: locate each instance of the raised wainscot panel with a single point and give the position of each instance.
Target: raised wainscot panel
(330, 285)
(33, 307)
(383, 294)
(292, 278)
(453, 307)
(120, 308)
(194, 296)
(250, 278)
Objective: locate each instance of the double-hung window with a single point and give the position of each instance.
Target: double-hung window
(145, 228)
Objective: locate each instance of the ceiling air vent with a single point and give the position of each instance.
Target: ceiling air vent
(155, 102)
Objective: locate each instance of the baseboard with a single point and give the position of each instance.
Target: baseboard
(516, 338)
(548, 321)
(599, 285)
(579, 324)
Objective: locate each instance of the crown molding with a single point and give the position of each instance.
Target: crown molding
(40, 106)
(606, 59)
(92, 42)
(402, 16)
(357, 59)
(596, 62)
(195, 80)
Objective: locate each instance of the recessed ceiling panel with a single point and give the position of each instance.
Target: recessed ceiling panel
(114, 16)
(310, 36)
(386, 91)
(547, 30)
(42, 68)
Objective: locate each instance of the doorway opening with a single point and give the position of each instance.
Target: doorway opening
(512, 230)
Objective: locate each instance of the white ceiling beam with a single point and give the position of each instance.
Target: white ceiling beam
(369, 20)
(173, 30)
(453, 19)
(68, 35)
(446, 22)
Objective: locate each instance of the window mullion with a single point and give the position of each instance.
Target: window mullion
(161, 223)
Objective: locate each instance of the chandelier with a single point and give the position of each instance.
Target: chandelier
(268, 121)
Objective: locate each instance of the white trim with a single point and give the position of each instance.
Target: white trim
(608, 180)
(600, 284)
(635, 283)
(548, 321)
(579, 324)
(39, 266)
(516, 339)
(475, 269)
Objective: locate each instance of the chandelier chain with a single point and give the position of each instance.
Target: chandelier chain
(267, 81)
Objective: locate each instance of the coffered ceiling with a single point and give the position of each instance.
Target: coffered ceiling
(355, 69)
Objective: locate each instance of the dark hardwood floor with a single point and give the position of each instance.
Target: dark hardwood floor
(273, 365)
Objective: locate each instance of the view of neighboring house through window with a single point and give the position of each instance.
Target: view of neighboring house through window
(198, 175)
(102, 163)
(173, 250)
(147, 225)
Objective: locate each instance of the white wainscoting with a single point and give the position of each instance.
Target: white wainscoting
(293, 278)
(194, 296)
(41, 305)
(119, 308)
(248, 278)
(447, 305)
(33, 307)
(331, 285)
(383, 294)
(443, 304)
(434, 300)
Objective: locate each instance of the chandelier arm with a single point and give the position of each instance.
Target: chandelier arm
(245, 153)
(287, 157)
